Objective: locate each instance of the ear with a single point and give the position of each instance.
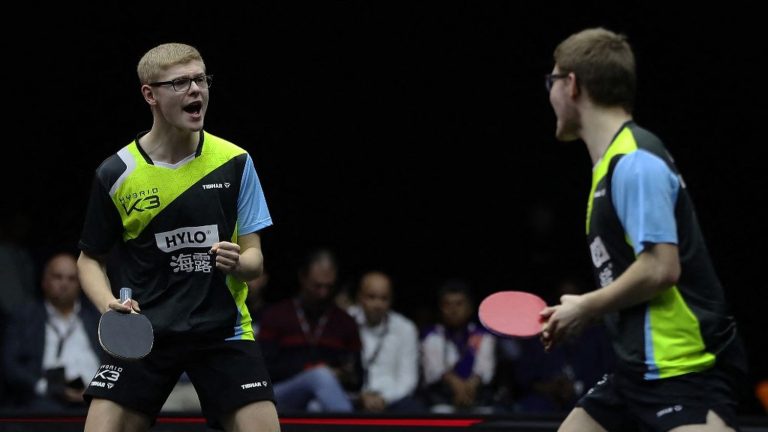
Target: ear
(574, 90)
(148, 94)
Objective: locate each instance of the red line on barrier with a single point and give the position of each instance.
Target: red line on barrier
(44, 420)
(382, 422)
(294, 421)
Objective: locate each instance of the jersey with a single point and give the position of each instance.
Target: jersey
(638, 198)
(163, 220)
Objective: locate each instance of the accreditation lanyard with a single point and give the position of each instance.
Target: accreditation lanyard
(375, 354)
(62, 336)
(312, 337)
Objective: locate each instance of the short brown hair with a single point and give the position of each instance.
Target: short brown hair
(603, 63)
(164, 56)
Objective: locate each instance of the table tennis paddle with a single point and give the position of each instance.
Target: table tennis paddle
(512, 313)
(127, 336)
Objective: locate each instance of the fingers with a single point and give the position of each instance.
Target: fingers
(227, 255)
(124, 307)
(135, 305)
(549, 327)
(120, 307)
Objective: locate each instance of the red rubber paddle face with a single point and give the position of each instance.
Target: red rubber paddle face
(512, 313)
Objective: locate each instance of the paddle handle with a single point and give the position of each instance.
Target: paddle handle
(125, 294)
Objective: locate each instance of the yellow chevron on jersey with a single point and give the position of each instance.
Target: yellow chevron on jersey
(623, 143)
(144, 189)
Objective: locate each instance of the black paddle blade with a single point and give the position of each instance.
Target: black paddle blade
(127, 336)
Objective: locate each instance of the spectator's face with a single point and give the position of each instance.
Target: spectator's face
(60, 283)
(317, 284)
(456, 310)
(375, 297)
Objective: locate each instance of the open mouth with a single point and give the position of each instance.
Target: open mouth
(194, 107)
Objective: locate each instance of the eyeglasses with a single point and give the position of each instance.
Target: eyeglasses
(183, 84)
(549, 79)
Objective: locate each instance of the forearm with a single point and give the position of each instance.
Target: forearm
(655, 270)
(251, 264)
(94, 281)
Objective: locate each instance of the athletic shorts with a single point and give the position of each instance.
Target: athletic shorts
(621, 404)
(226, 374)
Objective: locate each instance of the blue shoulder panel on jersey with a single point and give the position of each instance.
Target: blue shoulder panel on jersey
(252, 211)
(644, 191)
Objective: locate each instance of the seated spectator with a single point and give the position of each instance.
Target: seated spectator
(458, 356)
(311, 346)
(51, 349)
(390, 349)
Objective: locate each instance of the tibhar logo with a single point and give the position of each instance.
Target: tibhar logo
(199, 236)
(216, 185)
(254, 384)
(668, 410)
(142, 200)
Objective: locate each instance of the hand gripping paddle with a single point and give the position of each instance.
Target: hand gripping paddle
(512, 313)
(127, 336)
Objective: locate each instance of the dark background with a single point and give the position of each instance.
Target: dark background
(412, 137)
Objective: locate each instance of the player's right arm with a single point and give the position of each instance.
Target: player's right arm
(95, 284)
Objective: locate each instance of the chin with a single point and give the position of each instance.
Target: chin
(566, 133)
(196, 127)
(566, 137)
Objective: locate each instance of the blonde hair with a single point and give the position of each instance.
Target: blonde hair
(164, 56)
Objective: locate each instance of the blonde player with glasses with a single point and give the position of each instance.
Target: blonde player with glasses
(181, 209)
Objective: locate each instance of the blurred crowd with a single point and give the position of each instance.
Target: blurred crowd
(329, 347)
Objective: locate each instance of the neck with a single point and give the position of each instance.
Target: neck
(372, 323)
(169, 145)
(599, 126)
(65, 309)
(313, 305)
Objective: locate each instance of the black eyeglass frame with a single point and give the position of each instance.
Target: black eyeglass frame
(183, 84)
(549, 79)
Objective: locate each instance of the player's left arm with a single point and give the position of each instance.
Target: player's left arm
(244, 259)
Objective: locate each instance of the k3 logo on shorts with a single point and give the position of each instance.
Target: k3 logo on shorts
(107, 376)
(109, 373)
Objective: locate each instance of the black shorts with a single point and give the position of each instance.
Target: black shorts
(622, 404)
(226, 374)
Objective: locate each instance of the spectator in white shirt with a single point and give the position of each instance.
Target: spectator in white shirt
(458, 356)
(51, 350)
(390, 349)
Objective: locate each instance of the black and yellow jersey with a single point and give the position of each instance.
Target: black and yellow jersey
(639, 198)
(162, 221)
